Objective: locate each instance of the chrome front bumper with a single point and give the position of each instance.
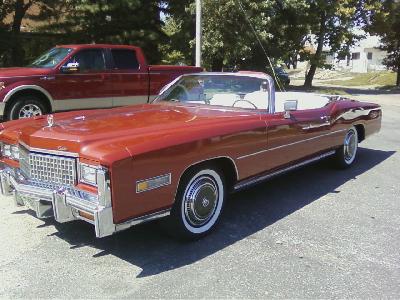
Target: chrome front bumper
(64, 204)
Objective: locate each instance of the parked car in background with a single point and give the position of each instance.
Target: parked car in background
(281, 74)
(73, 77)
(204, 136)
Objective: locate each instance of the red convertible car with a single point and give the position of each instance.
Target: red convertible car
(204, 136)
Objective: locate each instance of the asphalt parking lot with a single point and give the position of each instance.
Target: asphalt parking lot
(314, 233)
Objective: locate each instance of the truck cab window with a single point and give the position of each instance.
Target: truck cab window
(125, 59)
(89, 60)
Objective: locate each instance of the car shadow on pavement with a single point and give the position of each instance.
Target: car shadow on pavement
(247, 212)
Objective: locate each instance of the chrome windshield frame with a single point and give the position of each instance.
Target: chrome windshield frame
(271, 85)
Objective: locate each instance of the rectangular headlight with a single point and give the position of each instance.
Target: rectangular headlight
(10, 151)
(15, 152)
(7, 150)
(88, 174)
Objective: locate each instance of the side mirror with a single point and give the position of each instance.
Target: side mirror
(289, 105)
(70, 68)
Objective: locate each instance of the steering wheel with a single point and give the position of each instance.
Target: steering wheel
(251, 103)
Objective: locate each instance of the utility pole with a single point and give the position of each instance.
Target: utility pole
(198, 33)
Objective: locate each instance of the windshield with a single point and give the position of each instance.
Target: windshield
(51, 58)
(222, 90)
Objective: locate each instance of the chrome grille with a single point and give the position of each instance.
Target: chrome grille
(47, 167)
(24, 160)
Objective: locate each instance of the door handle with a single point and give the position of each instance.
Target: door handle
(326, 119)
(325, 122)
(47, 78)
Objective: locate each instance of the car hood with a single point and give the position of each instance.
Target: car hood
(13, 72)
(112, 134)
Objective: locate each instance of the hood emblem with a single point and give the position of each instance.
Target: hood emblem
(50, 121)
(62, 148)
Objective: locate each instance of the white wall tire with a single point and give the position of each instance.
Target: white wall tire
(347, 153)
(198, 204)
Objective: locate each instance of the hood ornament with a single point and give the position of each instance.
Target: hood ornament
(50, 120)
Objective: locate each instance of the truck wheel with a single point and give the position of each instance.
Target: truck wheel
(198, 204)
(26, 107)
(346, 154)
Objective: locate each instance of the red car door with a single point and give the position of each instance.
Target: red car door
(304, 134)
(89, 87)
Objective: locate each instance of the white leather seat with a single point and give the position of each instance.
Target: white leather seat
(304, 100)
(258, 98)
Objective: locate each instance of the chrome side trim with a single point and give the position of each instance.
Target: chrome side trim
(47, 151)
(313, 126)
(291, 144)
(257, 179)
(143, 219)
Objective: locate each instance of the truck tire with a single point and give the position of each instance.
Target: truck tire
(198, 204)
(25, 107)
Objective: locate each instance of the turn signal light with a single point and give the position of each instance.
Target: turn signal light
(86, 215)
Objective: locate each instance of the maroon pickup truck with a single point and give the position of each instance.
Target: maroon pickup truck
(71, 77)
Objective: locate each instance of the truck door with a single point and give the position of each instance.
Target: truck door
(130, 80)
(90, 87)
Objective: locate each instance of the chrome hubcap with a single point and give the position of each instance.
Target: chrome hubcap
(29, 110)
(350, 146)
(200, 200)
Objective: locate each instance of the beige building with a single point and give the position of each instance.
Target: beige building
(364, 57)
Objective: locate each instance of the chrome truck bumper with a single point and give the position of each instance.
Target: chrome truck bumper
(64, 204)
(69, 204)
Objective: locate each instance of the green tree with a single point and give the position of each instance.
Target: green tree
(12, 13)
(118, 21)
(386, 23)
(10, 31)
(238, 32)
(180, 31)
(331, 22)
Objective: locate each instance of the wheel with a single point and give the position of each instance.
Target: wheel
(26, 107)
(247, 101)
(346, 154)
(198, 204)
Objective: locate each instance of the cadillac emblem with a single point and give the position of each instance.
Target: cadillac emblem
(50, 120)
